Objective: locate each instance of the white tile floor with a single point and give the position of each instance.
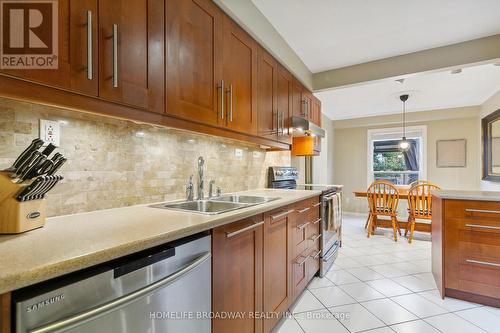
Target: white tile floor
(381, 286)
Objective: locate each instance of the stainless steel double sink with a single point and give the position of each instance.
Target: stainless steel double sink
(218, 205)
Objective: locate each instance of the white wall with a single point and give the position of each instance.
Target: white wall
(491, 105)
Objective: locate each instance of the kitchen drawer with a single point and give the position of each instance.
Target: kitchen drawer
(478, 277)
(481, 211)
(313, 262)
(299, 273)
(299, 236)
(313, 232)
(473, 237)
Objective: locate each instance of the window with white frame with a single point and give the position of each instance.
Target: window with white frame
(386, 161)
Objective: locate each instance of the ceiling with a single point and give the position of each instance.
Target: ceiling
(428, 91)
(329, 34)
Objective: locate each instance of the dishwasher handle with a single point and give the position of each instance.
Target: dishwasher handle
(97, 312)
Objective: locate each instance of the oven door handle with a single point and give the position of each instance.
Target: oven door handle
(333, 252)
(99, 311)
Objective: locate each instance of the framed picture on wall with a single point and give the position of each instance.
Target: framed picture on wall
(451, 153)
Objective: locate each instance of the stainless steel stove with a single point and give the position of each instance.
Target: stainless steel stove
(331, 241)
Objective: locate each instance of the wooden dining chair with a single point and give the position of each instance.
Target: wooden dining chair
(419, 205)
(383, 200)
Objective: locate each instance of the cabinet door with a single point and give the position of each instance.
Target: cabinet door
(267, 96)
(237, 263)
(194, 35)
(277, 273)
(316, 118)
(240, 77)
(131, 52)
(74, 40)
(284, 91)
(307, 101)
(298, 106)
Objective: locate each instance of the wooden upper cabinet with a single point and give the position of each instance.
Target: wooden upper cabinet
(240, 78)
(284, 100)
(316, 118)
(194, 67)
(298, 106)
(307, 104)
(131, 52)
(277, 272)
(316, 111)
(73, 58)
(267, 95)
(237, 263)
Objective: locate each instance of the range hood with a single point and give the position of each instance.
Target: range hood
(303, 127)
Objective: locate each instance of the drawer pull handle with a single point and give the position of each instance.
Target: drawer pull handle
(482, 226)
(482, 263)
(317, 221)
(315, 238)
(303, 225)
(303, 210)
(301, 262)
(250, 227)
(316, 256)
(317, 204)
(274, 217)
(470, 210)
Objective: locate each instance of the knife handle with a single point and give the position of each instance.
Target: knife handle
(48, 150)
(21, 196)
(32, 171)
(34, 145)
(57, 166)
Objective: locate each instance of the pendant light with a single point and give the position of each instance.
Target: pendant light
(404, 144)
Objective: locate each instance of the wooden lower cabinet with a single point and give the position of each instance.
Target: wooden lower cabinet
(257, 268)
(237, 265)
(466, 249)
(5, 313)
(277, 277)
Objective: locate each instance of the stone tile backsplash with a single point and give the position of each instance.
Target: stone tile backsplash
(114, 163)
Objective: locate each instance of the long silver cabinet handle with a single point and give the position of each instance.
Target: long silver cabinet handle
(99, 311)
(303, 210)
(482, 263)
(300, 263)
(282, 123)
(316, 256)
(230, 90)
(471, 210)
(275, 217)
(242, 230)
(221, 87)
(317, 204)
(115, 56)
(90, 74)
(303, 225)
(482, 226)
(315, 238)
(317, 221)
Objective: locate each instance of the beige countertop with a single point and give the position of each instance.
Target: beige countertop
(73, 242)
(467, 195)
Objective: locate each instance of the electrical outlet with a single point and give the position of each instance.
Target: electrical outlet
(238, 152)
(50, 132)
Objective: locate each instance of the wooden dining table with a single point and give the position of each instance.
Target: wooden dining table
(403, 195)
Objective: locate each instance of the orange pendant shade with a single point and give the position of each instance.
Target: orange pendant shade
(303, 146)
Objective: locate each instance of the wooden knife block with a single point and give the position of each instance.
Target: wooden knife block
(17, 217)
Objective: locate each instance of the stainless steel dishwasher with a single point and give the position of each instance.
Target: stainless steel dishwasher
(164, 290)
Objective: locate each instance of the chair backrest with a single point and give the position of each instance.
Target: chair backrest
(420, 200)
(383, 198)
(416, 182)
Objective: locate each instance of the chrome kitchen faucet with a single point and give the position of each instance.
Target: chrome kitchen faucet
(201, 178)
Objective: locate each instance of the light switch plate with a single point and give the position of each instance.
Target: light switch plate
(238, 152)
(50, 132)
